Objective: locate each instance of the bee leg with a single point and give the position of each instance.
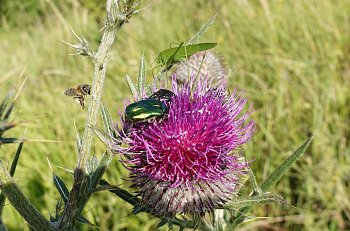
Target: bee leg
(79, 100)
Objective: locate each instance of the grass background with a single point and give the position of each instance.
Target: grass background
(291, 57)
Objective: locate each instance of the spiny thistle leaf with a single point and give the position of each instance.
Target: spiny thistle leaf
(5, 107)
(83, 220)
(99, 170)
(138, 208)
(107, 121)
(142, 76)
(203, 30)
(276, 175)
(8, 111)
(103, 136)
(161, 223)
(173, 55)
(12, 172)
(104, 188)
(57, 212)
(6, 126)
(213, 222)
(271, 180)
(92, 165)
(126, 196)
(5, 111)
(78, 139)
(8, 140)
(61, 187)
(256, 200)
(15, 159)
(131, 86)
(256, 189)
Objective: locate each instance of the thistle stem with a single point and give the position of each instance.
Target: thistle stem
(78, 195)
(23, 206)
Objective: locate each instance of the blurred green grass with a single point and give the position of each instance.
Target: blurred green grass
(292, 58)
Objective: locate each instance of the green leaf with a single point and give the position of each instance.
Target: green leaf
(61, 187)
(203, 30)
(126, 196)
(12, 172)
(104, 137)
(92, 164)
(57, 212)
(6, 126)
(97, 174)
(138, 208)
(173, 55)
(161, 223)
(104, 188)
(131, 86)
(8, 140)
(79, 143)
(276, 175)
(15, 159)
(266, 198)
(4, 107)
(142, 76)
(78, 139)
(8, 111)
(271, 180)
(83, 220)
(107, 121)
(256, 189)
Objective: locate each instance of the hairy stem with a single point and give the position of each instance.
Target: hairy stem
(23, 206)
(79, 194)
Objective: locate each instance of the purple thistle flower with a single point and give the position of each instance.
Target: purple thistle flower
(188, 162)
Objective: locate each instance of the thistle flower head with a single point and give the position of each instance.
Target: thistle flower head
(187, 161)
(205, 63)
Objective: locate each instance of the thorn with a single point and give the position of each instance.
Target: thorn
(65, 169)
(71, 45)
(22, 84)
(75, 34)
(138, 11)
(48, 161)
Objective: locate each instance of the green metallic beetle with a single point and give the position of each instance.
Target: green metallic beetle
(163, 95)
(150, 108)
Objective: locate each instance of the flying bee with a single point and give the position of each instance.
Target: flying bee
(79, 93)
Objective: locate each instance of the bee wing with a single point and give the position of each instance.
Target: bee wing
(70, 92)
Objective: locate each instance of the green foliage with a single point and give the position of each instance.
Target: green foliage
(61, 187)
(22, 13)
(290, 57)
(6, 107)
(265, 198)
(176, 54)
(260, 194)
(282, 169)
(141, 78)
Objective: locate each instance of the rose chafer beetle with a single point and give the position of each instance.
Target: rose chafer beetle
(163, 95)
(151, 108)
